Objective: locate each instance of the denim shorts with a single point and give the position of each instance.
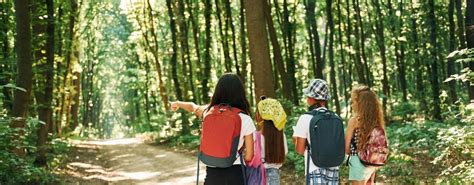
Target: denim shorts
(273, 176)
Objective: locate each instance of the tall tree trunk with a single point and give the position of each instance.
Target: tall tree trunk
(186, 59)
(358, 62)
(207, 51)
(420, 88)
(223, 39)
(185, 55)
(343, 75)
(76, 83)
(88, 94)
(277, 52)
(331, 56)
(434, 62)
(452, 43)
(381, 45)
(147, 97)
(69, 51)
(399, 53)
(229, 23)
(59, 31)
(174, 73)
(45, 110)
(460, 22)
(364, 62)
(182, 36)
(184, 46)
(243, 46)
(73, 98)
(59, 65)
(349, 41)
(24, 74)
(196, 32)
(288, 28)
(85, 97)
(312, 53)
(154, 51)
(470, 40)
(314, 38)
(259, 51)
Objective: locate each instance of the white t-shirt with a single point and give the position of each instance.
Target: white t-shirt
(273, 165)
(247, 128)
(302, 130)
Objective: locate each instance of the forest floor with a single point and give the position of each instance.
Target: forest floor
(132, 161)
(127, 161)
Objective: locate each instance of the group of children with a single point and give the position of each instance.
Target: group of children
(229, 106)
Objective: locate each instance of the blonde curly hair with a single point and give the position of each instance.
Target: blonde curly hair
(368, 113)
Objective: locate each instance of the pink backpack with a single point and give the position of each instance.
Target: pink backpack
(255, 170)
(376, 152)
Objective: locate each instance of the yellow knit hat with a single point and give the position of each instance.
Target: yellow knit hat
(271, 109)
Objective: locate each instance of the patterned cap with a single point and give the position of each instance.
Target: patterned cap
(271, 109)
(317, 89)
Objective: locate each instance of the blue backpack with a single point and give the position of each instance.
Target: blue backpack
(327, 138)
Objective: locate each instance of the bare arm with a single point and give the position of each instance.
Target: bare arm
(248, 141)
(294, 137)
(300, 145)
(349, 133)
(188, 106)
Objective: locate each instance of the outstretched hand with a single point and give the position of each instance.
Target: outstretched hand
(174, 106)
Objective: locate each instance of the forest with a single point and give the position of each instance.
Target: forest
(73, 71)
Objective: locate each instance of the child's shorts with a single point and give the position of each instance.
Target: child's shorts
(357, 170)
(324, 176)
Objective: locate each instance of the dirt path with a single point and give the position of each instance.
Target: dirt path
(127, 161)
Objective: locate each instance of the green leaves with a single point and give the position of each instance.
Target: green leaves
(441, 147)
(13, 86)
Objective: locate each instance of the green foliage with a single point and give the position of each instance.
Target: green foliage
(14, 169)
(404, 110)
(463, 56)
(190, 140)
(293, 159)
(17, 170)
(429, 151)
(12, 86)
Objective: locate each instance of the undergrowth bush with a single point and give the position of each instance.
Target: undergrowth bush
(430, 151)
(18, 170)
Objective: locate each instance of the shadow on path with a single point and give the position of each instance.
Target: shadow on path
(127, 161)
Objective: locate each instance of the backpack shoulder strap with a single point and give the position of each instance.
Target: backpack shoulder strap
(312, 112)
(320, 114)
(258, 136)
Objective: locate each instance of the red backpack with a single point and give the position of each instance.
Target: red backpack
(220, 136)
(376, 152)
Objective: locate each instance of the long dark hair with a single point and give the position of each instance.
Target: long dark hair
(230, 90)
(274, 143)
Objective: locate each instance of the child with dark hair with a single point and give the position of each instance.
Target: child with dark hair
(271, 118)
(229, 92)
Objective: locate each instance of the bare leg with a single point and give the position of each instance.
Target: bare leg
(371, 179)
(358, 182)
